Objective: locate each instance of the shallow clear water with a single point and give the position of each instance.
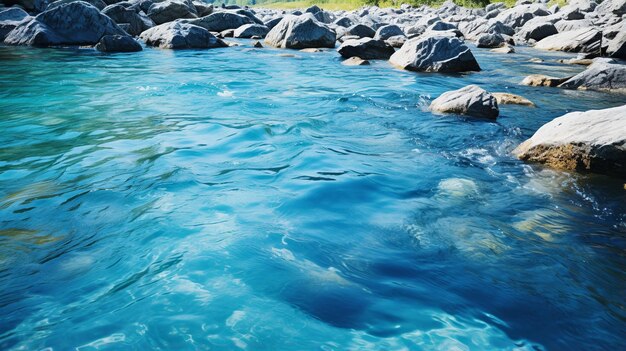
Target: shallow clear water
(237, 199)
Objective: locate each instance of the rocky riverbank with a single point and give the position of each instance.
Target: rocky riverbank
(421, 39)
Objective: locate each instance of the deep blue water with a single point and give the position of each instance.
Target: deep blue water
(238, 199)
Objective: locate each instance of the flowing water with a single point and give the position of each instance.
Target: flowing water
(239, 199)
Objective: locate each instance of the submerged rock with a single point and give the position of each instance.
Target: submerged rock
(435, 54)
(601, 75)
(540, 80)
(593, 141)
(355, 61)
(471, 100)
(118, 43)
(512, 99)
(366, 48)
(179, 35)
(300, 32)
(76, 23)
(506, 49)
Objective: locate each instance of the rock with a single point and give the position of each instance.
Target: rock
(9, 19)
(202, 8)
(617, 46)
(441, 26)
(435, 54)
(507, 49)
(344, 22)
(355, 61)
(396, 41)
(471, 100)
(535, 60)
(537, 31)
(388, 31)
(251, 30)
(512, 99)
(493, 40)
(273, 22)
(500, 28)
(99, 4)
(615, 7)
(593, 141)
(539, 80)
(566, 26)
(366, 48)
(257, 44)
(361, 31)
(180, 35)
(29, 5)
(601, 75)
(167, 11)
(220, 21)
(300, 32)
(136, 22)
(76, 23)
(118, 43)
(313, 9)
(581, 40)
(576, 61)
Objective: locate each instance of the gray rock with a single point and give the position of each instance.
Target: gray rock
(76, 23)
(136, 22)
(273, 22)
(180, 35)
(366, 48)
(99, 4)
(313, 9)
(167, 11)
(566, 26)
(500, 28)
(435, 54)
(29, 5)
(441, 26)
(615, 7)
(540, 80)
(494, 40)
(581, 40)
(251, 30)
(512, 99)
(118, 43)
(355, 61)
(11, 18)
(396, 41)
(344, 22)
(202, 8)
(388, 31)
(601, 75)
(617, 46)
(471, 100)
(590, 141)
(361, 31)
(537, 31)
(220, 21)
(300, 32)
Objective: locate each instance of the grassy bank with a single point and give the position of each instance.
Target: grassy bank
(355, 4)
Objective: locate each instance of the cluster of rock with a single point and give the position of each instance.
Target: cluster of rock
(423, 39)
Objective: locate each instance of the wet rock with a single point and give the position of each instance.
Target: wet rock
(366, 48)
(257, 44)
(493, 40)
(180, 35)
(581, 40)
(512, 99)
(602, 75)
(355, 61)
(118, 43)
(593, 141)
(251, 30)
(470, 100)
(540, 80)
(167, 11)
(76, 23)
(300, 32)
(507, 49)
(435, 54)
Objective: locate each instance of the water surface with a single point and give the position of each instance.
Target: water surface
(236, 199)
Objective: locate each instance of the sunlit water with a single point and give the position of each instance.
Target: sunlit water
(238, 199)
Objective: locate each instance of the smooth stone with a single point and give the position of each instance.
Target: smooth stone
(540, 80)
(301, 32)
(180, 35)
(221, 21)
(167, 11)
(388, 31)
(122, 15)
(361, 31)
(581, 40)
(366, 48)
(311, 50)
(355, 61)
(601, 75)
(590, 141)
(507, 49)
(512, 99)
(471, 100)
(251, 30)
(435, 54)
(492, 40)
(118, 43)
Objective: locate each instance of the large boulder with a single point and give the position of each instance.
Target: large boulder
(167, 11)
(388, 31)
(537, 31)
(118, 43)
(221, 21)
(137, 23)
(99, 4)
(615, 7)
(582, 40)
(76, 23)
(601, 75)
(361, 31)
(471, 100)
(492, 40)
(251, 30)
(617, 46)
(28, 5)
(435, 54)
(301, 32)
(180, 35)
(366, 48)
(9, 19)
(593, 141)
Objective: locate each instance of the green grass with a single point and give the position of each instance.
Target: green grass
(347, 5)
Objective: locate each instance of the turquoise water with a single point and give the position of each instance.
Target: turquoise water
(237, 199)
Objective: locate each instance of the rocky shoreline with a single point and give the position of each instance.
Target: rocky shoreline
(421, 39)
